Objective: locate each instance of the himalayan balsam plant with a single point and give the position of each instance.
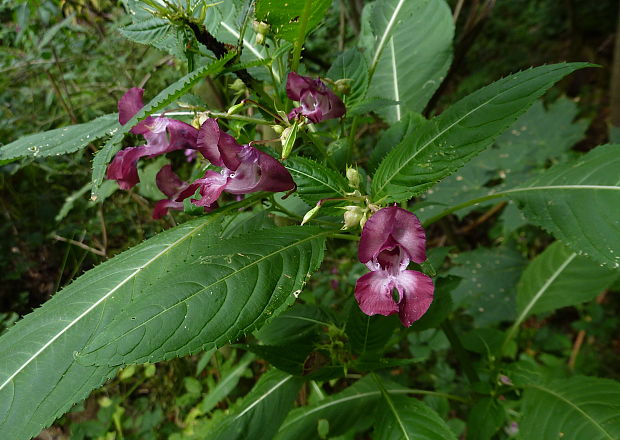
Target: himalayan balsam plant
(285, 178)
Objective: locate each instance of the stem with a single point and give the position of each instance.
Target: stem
(346, 237)
(464, 205)
(221, 115)
(460, 352)
(301, 35)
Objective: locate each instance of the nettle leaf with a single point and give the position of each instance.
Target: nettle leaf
(412, 54)
(351, 65)
(61, 140)
(403, 417)
(579, 203)
(283, 15)
(558, 278)
(230, 289)
(259, 414)
(451, 139)
(149, 31)
(163, 98)
(315, 181)
(571, 409)
(41, 379)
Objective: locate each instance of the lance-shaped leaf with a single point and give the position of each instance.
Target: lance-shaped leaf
(558, 278)
(315, 181)
(412, 53)
(228, 291)
(259, 414)
(448, 141)
(61, 140)
(571, 409)
(579, 203)
(39, 377)
(284, 15)
(163, 98)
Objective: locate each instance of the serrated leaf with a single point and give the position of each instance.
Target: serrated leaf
(558, 278)
(226, 292)
(163, 98)
(573, 409)
(351, 65)
(403, 417)
(414, 44)
(315, 181)
(149, 31)
(485, 419)
(390, 138)
(451, 139)
(41, 380)
(61, 140)
(579, 203)
(259, 414)
(283, 15)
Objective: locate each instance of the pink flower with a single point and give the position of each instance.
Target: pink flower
(392, 238)
(162, 136)
(317, 101)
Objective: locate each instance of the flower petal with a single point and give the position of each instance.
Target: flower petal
(211, 187)
(317, 101)
(168, 182)
(162, 207)
(297, 84)
(373, 293)
(416, 290)
(123, 167)
(218, 147)
(130, 104)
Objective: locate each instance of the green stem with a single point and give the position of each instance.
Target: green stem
(301, 35)
(460, 352)
(222, 115)
(351, 138)
(464, 205)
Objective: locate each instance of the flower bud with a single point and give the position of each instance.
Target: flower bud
(199, 119)
(310, 214)
(238, 87)
(235, 108)
(343, 86)
(260, 27)
(288, 137)
(353, 216)
(353, 176)
(277, 128)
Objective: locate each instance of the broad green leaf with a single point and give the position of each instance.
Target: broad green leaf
(402, 417)
(342, 411)
(351, 65)
(150, 31)
(163, 98)
(417, 38)
(315, 181)
(41, 379)
(485, 419)
(409, 123)
(487, 289)
(283, 15)
(579, 203)
(573, 409)
(61, 140)
(451, 139)
(558, 278)
(259, 414)
(228, 290)
(368, 335)
(228, 383)
(518, 154)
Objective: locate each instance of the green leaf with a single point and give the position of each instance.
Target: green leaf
(409, 123)
(163, 98)
(228, 290)
(485, 419)
(558, 278)
(451, 139)
(414, 49)
(342, 411)
(579, 203)
(368, 335)
(228, 383)
(574, 409)
(403, 417)
(283, 15)
(351, 65)
(315, 181)
(61, 140)
(259, 414)
(150, 31)
(41, 379)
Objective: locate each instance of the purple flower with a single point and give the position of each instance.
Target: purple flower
(162, 136)
(244, 169)
(392, 238)
(172, 186)
(317, 101)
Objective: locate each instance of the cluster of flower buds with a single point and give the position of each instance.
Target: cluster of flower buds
(390, 239)
(244, 169)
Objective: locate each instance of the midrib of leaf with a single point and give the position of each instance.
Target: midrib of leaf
(395, 78)
(536, 297)
(103, 298)
(449, 127)
(386, 396)
(264, 396)
(220, 280)
(382, 41)
(579, 410)
(316, 179)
